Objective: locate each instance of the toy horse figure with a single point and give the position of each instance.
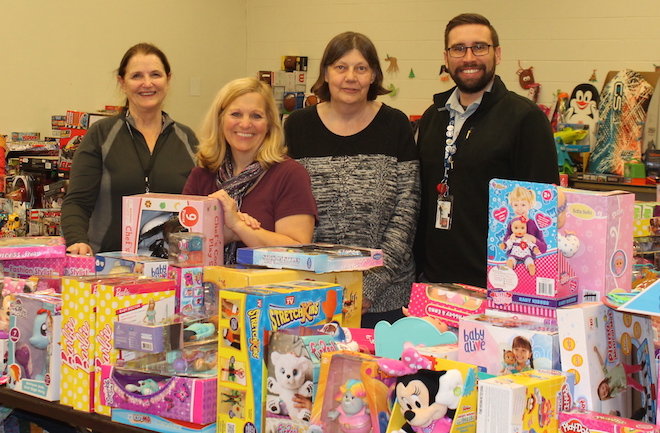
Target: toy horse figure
(40, 339)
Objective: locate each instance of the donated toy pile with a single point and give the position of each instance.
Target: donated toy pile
(161, 335)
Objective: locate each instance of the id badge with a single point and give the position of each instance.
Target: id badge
(443, 212)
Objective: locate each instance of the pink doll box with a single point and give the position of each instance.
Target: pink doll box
(79, 265)
(25, 268)
(144, 213)
(189, 288)
(447, 302)
(32, 247)
(185, 398)
(585, 421)
(34, 349)
(598, 230)
(118, 262)
(521, 402)
(159, 423)
(598, 341)
(499, 343)
(525, 266)
(297, 350)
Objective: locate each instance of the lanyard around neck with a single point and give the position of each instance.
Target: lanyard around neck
(450, 150)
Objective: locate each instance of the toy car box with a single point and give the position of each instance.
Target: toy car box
(34, 349)
(611, 354)
(601, 226)
(147, 216)
(500, 343)
(119, 262)
(312, 257)
(247, 314)
(527, 273)
(447, 302)
(576, 420)
(527, 401)
(230, 276)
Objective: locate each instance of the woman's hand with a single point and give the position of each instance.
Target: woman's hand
(80, 248)
(233, 218)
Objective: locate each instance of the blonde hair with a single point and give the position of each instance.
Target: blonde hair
(520, 193)
(212, 142)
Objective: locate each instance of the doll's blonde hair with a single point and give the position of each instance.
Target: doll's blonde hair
(520, 193)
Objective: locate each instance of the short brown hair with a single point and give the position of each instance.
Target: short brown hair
(337, 48)
(470, 18)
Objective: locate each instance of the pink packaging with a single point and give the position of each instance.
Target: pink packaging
(600, 227)
(77, 265)
(447, 302)
(145, 215)
(189, 399)
(32, 247)
(25, 268)
(586, 421)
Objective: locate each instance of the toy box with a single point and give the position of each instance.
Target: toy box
(44, 222)
(500, 343)
(576, 420)
(520, 402)
(525, 265)
(79, 265)
(186, 398)
(147, 216)
(312, 257)
(34, 345)
(119, 262)
(32, 247)
(25, 268)
(390, 339)
(447, 302)
(70, 139)
(247, 315)
(443, 351)
(241, 276)
(189, 288)
(4, 352)
(293, 359)
(159, 423)
(600, 225)
(612, 356)
(186, 249)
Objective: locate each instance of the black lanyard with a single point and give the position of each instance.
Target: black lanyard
(152, 156)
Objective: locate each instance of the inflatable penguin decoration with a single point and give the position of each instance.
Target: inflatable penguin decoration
(583, 109)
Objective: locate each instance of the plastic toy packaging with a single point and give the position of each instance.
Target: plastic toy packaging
(186, 249)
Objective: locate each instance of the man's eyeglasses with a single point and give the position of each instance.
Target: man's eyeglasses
(477, 50)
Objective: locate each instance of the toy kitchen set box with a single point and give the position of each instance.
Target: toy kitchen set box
(148, 219)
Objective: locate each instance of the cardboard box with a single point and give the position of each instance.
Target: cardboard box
(193, 213)
(529, 401)
(39, 247)
(25, 268)
(159, 423)
(70, 139)
(79, 265)
(189, 288)
(247, 315)
(597, 343)
(447, 302)
(34, 349)
(587, 421)
(118, 262)
(44, 222)
(500, 343)
(231, 276)
(525, 267)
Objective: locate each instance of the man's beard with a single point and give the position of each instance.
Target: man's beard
(470, 86)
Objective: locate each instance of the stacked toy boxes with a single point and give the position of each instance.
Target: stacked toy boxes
(148, 217)
(246, 315)
(186, 268)
(611, 354)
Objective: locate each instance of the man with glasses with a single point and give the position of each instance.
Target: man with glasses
(471, 134)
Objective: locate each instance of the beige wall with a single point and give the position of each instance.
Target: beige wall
(53, 62)
(62, 55)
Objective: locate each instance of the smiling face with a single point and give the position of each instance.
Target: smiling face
(145, 83)
(244, 124)
(521, 207)
(349, 78)
(472, 74)
(521, 354)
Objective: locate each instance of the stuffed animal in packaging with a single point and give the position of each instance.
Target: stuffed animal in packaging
(289, 379)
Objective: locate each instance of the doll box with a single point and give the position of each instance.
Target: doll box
(247, 314)
(312, 257)
(158, 423)
(585, 421)
(185, 398)
(528, 401)
(524, 263)
(118, 262)
(500, 343)
(34, 349)
(25, 268)
(189, 288)
(242, 275)
(602, 223)
(32, 247)
(599, 343)
(144, 217)
(447, 302)
(79, 265)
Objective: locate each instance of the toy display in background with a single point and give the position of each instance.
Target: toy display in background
(486, 339)
(344, 374)
(541, 279)
(446, 302)
(527, 82)
(622, 111)
(583, 109)
(186, 249)
(34, 345)
(577, 420)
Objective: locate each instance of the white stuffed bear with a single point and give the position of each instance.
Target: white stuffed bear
(289, 378)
